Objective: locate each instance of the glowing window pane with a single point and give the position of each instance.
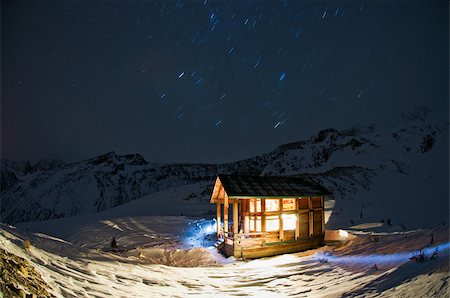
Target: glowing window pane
(255, 224)
(258, 224)
(255, 205)
(288, 204)
(289, 221)
(272, 223)
(272, 205)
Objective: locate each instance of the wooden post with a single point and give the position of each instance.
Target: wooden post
(235, 217)
(323, 215)
(280, 216)
(225, 214)
(243, 205)
(310, 217)
(219, 224)
(246, 216)
(297, 223)
(263, 216)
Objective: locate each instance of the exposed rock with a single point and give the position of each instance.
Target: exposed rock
(19, 279)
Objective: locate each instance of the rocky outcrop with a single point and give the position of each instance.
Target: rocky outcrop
(19, 279)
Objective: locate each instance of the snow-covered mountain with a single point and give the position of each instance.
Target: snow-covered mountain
(8, 177)
(389, 168)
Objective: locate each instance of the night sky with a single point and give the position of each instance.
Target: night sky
(204, 81)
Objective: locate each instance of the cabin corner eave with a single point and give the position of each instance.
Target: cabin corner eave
(218, 193)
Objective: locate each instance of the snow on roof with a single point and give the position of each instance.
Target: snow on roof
(264, 186)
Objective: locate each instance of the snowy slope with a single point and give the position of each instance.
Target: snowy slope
(367, 168)
(130, 223)
(362, 267)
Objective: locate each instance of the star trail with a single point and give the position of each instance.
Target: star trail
(211, 81)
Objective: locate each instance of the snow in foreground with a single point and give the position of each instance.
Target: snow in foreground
(368, 265)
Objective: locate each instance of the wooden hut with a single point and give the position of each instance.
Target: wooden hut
(270, 215)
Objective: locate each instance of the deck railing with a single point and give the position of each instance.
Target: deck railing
(243, 239)
(255, 239)
(231, 235)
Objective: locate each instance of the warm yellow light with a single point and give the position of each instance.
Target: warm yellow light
(272, 205)
(289, 221)
(258, 225)
(272, 223)
(255, 224)
(288, 204)
(255, 205)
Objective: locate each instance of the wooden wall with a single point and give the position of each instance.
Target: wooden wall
(309, 230)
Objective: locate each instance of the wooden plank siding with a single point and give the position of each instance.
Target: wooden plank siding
(304, 224)
(317, 222)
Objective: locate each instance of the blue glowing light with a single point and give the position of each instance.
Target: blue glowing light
(201, 233)
(382, 258)
(282, 76)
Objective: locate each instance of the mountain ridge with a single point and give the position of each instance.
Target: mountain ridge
(346, 162)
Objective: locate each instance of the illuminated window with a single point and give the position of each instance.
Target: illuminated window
(288, 204)
(289, 221)
(272, 205)
(272, 223)
(255, 224)
(255, 205)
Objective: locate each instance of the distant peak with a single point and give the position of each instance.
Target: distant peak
(110, 154)
(103, 158)
(130, 159)
(135, 159)
(324, 134)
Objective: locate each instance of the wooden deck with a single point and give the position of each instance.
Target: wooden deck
(251, 248)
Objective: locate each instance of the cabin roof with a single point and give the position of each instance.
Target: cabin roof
(263, 186)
